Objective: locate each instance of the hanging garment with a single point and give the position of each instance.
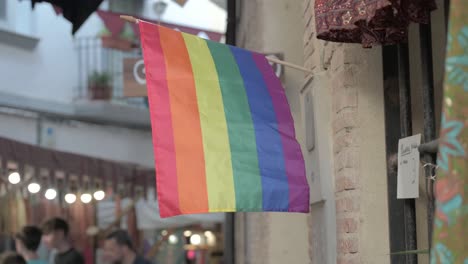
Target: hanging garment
(132, 228)
(52, 209)
(13, 227)
(124, 204)
(369, 22)
(147, 216)
(90, 243)
(106, 213)
(118, 208)
(5, 216)
(28, 209)
(451, 218)
(21, 215)
(80, 219)
(39, 212)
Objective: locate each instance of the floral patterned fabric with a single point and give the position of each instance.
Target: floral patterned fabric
(451, 220)
(369, 22)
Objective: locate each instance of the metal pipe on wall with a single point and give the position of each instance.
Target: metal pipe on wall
(229, 224)
(425, 38)
(446, 12)
(398, 124)
(406, 130)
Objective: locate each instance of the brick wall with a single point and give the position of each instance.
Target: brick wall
(342, 64)
(354, 136)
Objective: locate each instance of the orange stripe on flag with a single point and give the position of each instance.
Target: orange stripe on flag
(193, 196)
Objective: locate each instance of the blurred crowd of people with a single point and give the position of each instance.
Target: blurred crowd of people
(54, 233)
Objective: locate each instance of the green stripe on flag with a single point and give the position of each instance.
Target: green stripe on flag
(247, 179)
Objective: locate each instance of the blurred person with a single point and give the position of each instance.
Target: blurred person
(55, 236)
(27, 242)
(118, 249)
(11, 258)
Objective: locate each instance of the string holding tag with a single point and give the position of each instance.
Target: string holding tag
(433, 168)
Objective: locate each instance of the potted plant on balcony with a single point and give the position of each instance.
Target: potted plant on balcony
(99, 86)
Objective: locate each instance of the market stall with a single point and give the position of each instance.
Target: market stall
(95, 196)
(38, 183)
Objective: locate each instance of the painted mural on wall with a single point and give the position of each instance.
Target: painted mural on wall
(451, 223)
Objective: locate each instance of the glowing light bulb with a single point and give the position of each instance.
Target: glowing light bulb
(14, 178)
(173, 239)
(187, 233)
(164, 232)
(50, 194)
(99, 195)
(86, 198)
(70, 198)
(195, 240)
(34, 187)
(210, 238)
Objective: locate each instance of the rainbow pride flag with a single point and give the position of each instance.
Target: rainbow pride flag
(223, 134)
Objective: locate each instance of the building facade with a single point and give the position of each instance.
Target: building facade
(340, 110)
(343, 123)
(45, 98)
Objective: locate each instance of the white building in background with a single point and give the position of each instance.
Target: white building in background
(202, 14)
(42, 81)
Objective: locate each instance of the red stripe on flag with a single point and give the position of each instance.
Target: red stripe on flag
(193, 195)
(161, 121)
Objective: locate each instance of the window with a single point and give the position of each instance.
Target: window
(17, 17)
(4, 13)
(3, 10)
(14, 31)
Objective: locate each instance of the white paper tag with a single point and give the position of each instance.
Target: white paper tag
(408, 167)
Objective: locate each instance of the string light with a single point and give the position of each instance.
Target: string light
(14, 178)
(70, 198)
(86, 198)
(50, 194)
(210, 238)
(34, 187)
(187, 233)
(173, 239)
(195, 240)
(99, 195)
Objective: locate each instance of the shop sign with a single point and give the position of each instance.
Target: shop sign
(134, 77)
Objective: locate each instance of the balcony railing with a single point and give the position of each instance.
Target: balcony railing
(92, 59)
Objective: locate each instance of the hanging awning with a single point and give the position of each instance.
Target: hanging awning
(147, 216)
(108, 172)
(147, 219)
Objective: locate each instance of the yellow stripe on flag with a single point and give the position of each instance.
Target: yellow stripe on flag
(218, 166)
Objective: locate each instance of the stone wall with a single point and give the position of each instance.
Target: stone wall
(350, 144)
(355, 74)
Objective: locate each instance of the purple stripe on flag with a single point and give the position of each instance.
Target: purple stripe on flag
(294, 161)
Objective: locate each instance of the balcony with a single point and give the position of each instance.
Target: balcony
(98, 96)
(100, 74)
